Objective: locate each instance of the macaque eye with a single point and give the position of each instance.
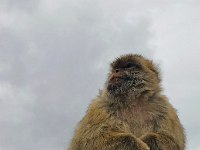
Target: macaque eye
(116, 70)
(129, 65)
(132, 65)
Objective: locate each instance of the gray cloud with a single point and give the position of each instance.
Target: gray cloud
(53, 64)
(54, 59)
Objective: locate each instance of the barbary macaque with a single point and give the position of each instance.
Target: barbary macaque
(130, 113)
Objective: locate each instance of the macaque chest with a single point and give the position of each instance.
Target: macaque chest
(139, 120)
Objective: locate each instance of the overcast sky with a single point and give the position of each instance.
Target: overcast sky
(55, 54)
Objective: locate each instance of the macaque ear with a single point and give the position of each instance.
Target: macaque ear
(155, 68)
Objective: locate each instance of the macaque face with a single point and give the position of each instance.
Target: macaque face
(131, 74)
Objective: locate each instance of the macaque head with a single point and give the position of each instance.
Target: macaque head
(132, 75)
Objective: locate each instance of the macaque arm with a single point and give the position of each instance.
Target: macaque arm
(103, 133)
(160, 141)
(113, 141)
(125, 141)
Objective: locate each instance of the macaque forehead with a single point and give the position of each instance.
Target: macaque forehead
(121, 62)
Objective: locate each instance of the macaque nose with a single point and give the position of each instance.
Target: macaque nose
(116, 74)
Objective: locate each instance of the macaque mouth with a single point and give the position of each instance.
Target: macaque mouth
(119, 79)
(115, 80)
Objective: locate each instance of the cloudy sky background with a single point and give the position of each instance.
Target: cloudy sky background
(54, 57)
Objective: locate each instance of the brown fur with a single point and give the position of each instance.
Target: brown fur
(139, 118)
